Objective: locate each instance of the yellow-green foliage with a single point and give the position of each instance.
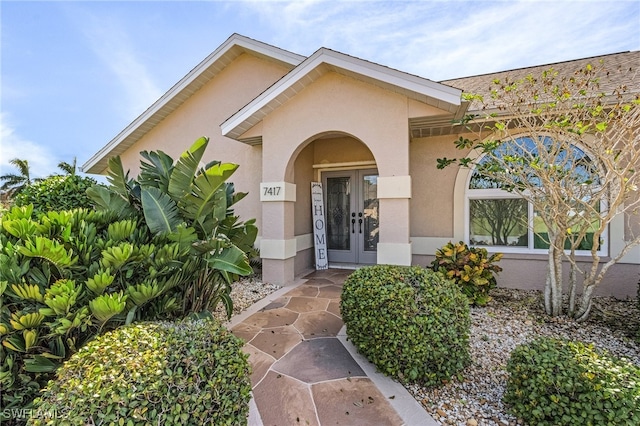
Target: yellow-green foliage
(470, 267)
(183, 373)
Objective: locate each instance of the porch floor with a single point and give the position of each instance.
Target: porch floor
(304, 370)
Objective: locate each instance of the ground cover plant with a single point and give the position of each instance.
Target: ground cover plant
(560, 382)
(411, 322)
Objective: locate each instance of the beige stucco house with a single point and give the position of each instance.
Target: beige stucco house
(369, 133)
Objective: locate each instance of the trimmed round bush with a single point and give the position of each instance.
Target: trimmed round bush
(558, 382)
(182, 373)
(411, 322)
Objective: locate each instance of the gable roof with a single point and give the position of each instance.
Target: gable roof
(206, 70)
(483, 84)
(325, 60)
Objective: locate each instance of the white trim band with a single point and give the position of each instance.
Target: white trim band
(394, 254)
(394, 187)
(277, 249)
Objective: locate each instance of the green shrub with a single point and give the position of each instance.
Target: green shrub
(557, 382)
(57, 193)
(470, 267)
(67, 276)
(411, 322)
(184, 373)
(147, 252)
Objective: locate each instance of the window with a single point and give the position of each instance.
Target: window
(499, 218)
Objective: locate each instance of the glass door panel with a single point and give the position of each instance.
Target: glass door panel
(352, 215)
(338, 213)
(370, 212)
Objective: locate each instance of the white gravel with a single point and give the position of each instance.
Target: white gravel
(513, 317)
(245, 293)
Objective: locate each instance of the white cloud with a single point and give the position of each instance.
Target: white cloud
(441, 40)
(41, 161)
(110, 41)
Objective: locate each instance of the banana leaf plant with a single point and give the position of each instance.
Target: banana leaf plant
(191, 205)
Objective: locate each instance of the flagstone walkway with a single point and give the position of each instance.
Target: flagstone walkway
(304, 370)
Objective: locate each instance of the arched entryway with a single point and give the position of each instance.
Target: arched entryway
(348, 171)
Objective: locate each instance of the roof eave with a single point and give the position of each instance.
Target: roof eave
(421, 89)
(136, 129)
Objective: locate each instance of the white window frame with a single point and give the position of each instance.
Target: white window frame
(496, 193)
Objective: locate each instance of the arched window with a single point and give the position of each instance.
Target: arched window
(497, 217)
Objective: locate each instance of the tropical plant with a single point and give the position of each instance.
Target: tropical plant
(68, 168)
(470, 267)
(192, 206)
(14, 183)
(577, 167)
(67, 276)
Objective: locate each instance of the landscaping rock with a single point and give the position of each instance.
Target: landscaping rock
(512, 318)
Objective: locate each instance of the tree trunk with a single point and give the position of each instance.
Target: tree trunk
(553, 287)
(572, 286)
(586, 302)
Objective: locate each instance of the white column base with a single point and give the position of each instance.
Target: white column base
(394, 254)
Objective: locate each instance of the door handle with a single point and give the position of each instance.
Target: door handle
(360, 221)
(353, 223)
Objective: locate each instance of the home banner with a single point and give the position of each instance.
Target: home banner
(319, 231)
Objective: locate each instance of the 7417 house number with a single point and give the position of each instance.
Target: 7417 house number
(272, 190)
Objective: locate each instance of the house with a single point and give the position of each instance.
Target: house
(371, 134)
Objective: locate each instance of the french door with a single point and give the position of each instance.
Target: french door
(352, 215)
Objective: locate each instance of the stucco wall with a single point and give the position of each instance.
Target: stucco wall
(202, 114)
(432, 189)
(303, 179)
(340, 150)
(335, 103)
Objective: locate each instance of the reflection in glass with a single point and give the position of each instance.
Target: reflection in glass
(338, 208)
(541, 234)
(498, 222)
(370, 212)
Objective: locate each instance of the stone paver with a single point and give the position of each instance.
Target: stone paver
(302, 372)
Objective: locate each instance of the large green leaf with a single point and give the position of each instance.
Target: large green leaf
(160, 211)
(185, 169)
(203, 198)
(157, 172)
(40, 364)
(232, 260)
(183, 235)
(106, 199)
(117, 177)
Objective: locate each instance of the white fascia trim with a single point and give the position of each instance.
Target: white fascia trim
(234, 40)
(340, 60)
(277, 249)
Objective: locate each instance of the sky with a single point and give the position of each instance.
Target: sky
(73, 74)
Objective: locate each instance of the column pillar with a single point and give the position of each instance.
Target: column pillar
(394, 245)
(278, 243)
